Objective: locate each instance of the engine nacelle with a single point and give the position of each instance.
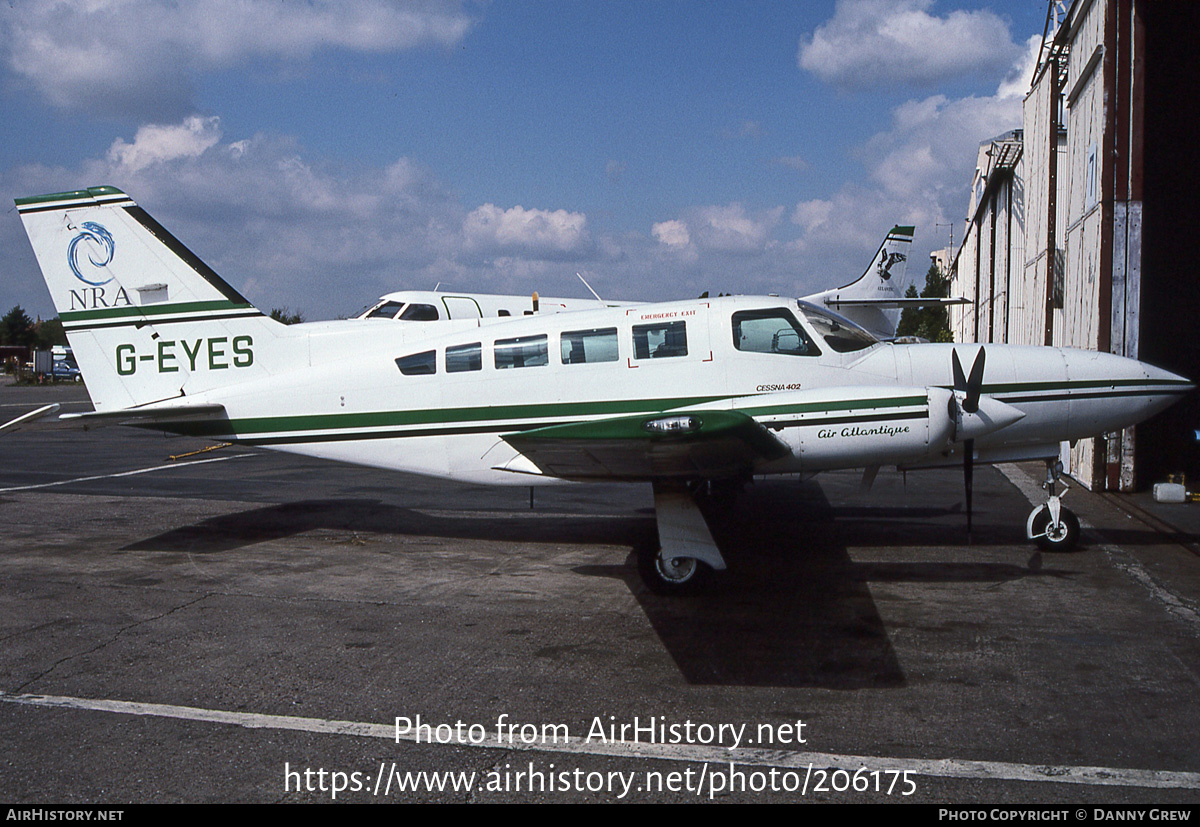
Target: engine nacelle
(865, 426)
(858, 426)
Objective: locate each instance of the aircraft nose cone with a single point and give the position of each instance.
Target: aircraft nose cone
(1118, 392)
(1153, 374)
(1098, 368)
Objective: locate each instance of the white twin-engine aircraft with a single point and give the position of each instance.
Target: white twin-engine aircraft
(873, 301)
(678, 394)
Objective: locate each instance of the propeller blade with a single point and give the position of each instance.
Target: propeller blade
(971, 387)
(974, 384)
(969, 476)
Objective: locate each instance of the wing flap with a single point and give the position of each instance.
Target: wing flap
(712, 443)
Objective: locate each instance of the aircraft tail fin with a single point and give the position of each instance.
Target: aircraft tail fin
(147, 320)
(870, 299)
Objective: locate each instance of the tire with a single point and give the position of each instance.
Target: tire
(1064, 538)
(681, 576)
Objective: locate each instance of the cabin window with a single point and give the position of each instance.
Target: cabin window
(419, 313)
(387, 310)
(461, 358)
(771, 331)
(522, 352)
(419, 364)
(657, 341)
(596, 345)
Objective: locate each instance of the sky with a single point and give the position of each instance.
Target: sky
(319, 154)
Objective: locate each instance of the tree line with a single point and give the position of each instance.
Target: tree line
(16, 328)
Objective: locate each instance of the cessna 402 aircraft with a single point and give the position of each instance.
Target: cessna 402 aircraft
(676, 393)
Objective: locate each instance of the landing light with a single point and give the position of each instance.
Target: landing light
(673, 425)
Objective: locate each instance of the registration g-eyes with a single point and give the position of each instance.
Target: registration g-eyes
(169, 356)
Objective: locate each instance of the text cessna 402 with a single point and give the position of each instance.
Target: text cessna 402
(872, 301)
(676, 393)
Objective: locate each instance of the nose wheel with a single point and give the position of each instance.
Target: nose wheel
(1051, 525)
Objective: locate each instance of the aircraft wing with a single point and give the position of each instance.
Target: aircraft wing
(25, 420)
(709, 443)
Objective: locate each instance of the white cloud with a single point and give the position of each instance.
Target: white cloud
(812, 214)
(1016, 85)
(719, 229)
(918, 171)
(730, 229)
(671, 233)
(888, 42)
(139, 57)
(932, 144)
(536, 232)
(158, 143)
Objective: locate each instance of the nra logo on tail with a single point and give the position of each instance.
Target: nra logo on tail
(88, 256)
(100, 249)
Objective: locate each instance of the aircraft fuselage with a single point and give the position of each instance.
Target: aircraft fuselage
(396, 397)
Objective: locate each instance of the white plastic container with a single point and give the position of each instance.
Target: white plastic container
(1169, 492)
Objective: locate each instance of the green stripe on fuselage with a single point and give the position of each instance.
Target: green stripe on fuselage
(440, 416)
(503, 417)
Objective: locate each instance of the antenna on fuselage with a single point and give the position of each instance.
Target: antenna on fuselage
(589, 287)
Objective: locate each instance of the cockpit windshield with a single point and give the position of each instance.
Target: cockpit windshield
(839, 333)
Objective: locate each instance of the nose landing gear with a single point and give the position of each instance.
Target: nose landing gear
(1051, 526)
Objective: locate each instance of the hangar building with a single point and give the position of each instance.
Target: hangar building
(1082, 225)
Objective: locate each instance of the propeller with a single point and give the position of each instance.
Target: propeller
(970, 387)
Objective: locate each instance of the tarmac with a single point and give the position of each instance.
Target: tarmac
(244, 626)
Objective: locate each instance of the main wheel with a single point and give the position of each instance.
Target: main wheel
(672, 575)
(1060, 537)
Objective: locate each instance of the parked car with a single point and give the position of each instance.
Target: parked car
(67, 371)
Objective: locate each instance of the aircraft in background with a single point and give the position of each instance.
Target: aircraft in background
(876, 298)
(678, 394)
(873, 301)
(435, 305)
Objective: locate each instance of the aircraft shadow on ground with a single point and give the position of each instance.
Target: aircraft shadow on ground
(276, 522)
(794, 609)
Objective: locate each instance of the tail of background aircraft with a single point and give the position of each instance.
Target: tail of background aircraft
(873, 300)
(146, 319)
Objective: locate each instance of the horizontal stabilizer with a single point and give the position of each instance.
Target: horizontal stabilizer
(147, 416)
(895, 303)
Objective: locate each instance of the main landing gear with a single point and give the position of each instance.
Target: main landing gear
(687, 555)
(1051, 526)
